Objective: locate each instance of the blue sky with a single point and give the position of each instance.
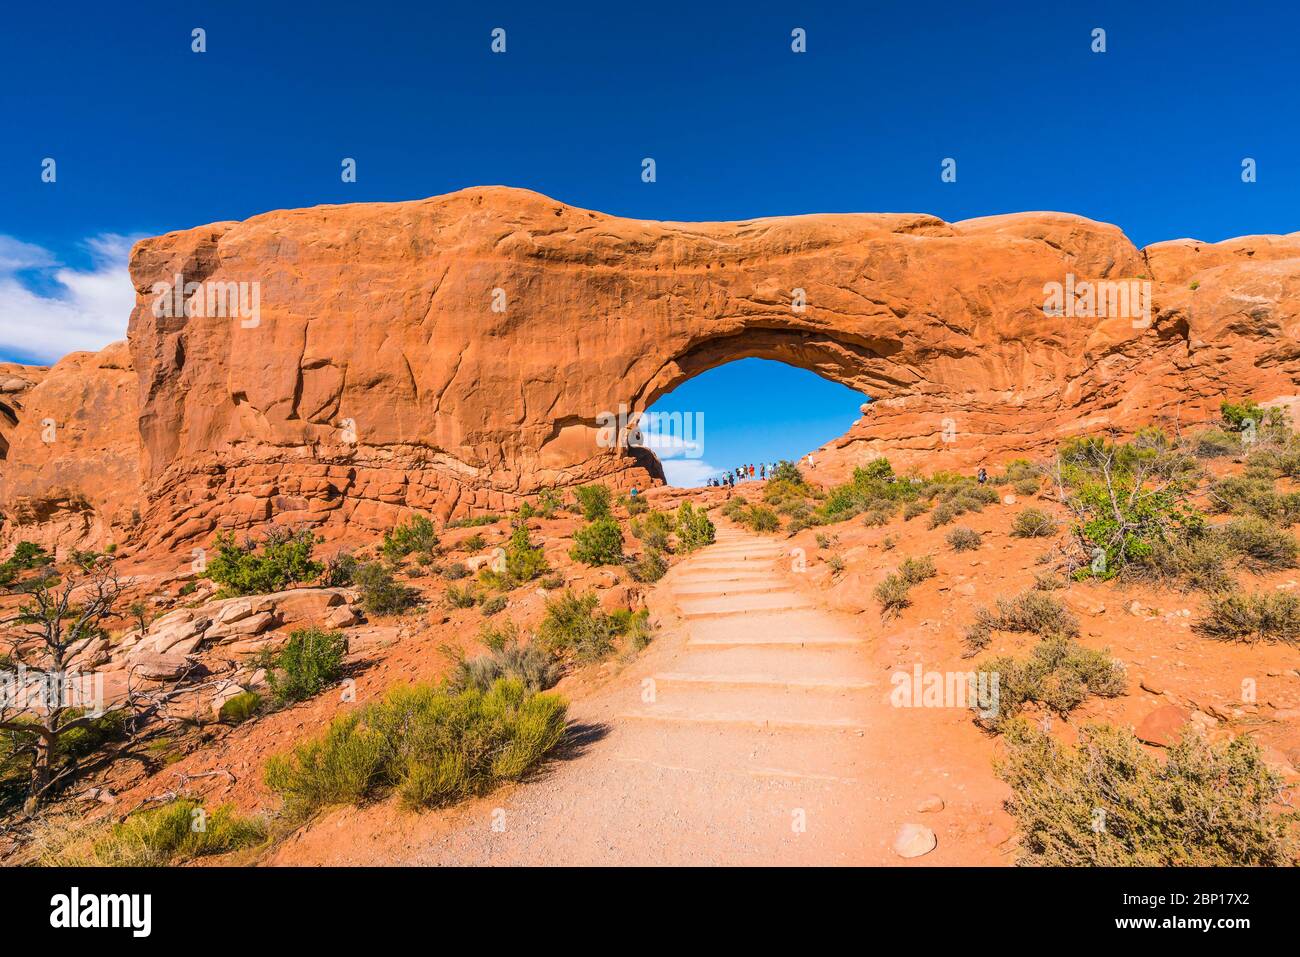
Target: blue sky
(149, 136)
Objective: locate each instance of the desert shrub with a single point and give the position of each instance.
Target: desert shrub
(431, 744)
(653, 530)
(634, 626)
(340, 570)
(240, 708)
(914, 508)
(1260, 617)
(171, 834)
(650, 567)
(635, 506)
(916, 570)
(1027, 486)
(787, 471)
(826, 541)
(459, 596)
(1033, 523)
(1197, 562)
(524, 561)
(1048, 581)
(1260, 544)
(574, 626)
(735, 508)
(593, 501)
(880, 513)
(1129, 499)
(474, 521)
(1059, 675)
(475, 543)
(962, 539)
(1244, 495)
(891, 592)
(381, 593)
(945, 513)
(552, 582)
(1031, 611)
(762, 519)
(307, 663)
(455, 571)
(416, 536)
(493, 605)
(1107, 802)
(835, 563)
(549, 502)
(1216, 444)
(694, 528)
(531, 665)
(598, 543)
(283, 561)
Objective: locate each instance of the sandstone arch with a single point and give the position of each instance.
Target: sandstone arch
(378, 378)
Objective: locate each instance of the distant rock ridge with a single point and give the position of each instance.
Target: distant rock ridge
(456, 355)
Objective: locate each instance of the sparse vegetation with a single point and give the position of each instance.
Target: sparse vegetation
(381, 593)
(694, 528)
(523, 562)
(1249, 618)
(892, 591)
(284, 560)
(598, 543)
(1033, 523)
(171, 834)
(461, 596)
(240, 708)
(417, 536)
(430, 744)
(1106, 802)
(962, 539)
(1059, 675)
(531, 665)
(1031, 611)
(593, 501)
(494, 605)
(310, 660)
(649, 567)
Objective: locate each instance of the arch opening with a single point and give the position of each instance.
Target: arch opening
(745, 410)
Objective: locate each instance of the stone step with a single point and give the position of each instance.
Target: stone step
(775, 706)
(733, 605)
(809, 663)
(796, 628)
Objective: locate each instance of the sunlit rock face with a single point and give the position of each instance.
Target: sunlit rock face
(342, 365)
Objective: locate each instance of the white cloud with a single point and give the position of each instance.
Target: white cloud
(688, 473)
(83, 309)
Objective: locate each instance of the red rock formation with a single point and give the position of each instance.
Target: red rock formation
(455, 354)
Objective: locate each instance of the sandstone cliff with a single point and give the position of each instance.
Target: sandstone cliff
(456, 354)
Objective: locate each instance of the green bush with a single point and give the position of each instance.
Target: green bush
(635, 506)
(593, 501)
(494, 605)
(762, 519)
(381, 593)
(524, 561)
(240, 708)
(1033, 523)
(1261, 617)
(416, 536)
(306, 664)
(1216, 444)
(598, 543)
(475, 543)
(964, 539)
(171, 834)
(1032, 611)
(1107, 802)
(1246, 495)
(653, 530)
(1059, 675)
(694, 528)
(786, 471)
(284, 560)
(574, 626)
(912, 509)
(340, 570)
(431, 744)
(650, 567)
(475, 521)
